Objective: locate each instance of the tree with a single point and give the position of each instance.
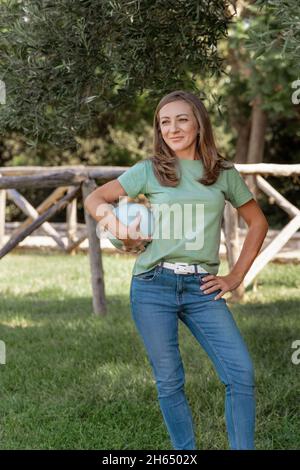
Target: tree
(68, 64)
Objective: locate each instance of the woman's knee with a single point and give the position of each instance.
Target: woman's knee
(244, 375)
(169, 387)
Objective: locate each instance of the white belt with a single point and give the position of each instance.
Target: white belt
(183, 268)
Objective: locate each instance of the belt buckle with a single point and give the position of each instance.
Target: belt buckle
(180, 268)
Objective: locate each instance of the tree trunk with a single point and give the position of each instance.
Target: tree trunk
(257, 140)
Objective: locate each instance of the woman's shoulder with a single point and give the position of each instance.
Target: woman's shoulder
(226, 168)
(144, 162)
(148, 160)
(226, 164)
(147, 163)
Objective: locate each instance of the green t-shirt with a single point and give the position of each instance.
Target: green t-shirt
(187, 218)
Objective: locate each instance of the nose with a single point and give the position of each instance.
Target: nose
(173, 127)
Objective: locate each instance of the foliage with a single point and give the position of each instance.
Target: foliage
(68, 64)
(281, 30)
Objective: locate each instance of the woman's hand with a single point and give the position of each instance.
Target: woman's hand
(225, 283)
(134, 245)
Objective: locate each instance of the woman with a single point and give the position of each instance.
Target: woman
(176, 276)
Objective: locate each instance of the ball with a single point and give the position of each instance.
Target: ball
(126, 212)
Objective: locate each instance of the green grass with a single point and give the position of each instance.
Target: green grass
(73, 380)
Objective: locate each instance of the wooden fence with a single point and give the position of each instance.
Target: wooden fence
(73, 182)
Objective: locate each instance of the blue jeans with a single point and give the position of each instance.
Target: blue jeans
(158, 298)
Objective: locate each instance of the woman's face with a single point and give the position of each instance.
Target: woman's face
(178, 126)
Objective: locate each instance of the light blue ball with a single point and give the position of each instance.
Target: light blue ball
(126, 213)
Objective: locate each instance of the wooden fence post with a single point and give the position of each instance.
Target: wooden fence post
(71, 224)
(97, 277)
(2, 215)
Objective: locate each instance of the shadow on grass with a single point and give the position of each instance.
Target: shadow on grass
(61, 358)
(266, 327)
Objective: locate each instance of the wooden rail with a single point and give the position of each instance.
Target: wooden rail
(72, 182)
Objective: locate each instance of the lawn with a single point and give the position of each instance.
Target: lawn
(73, 380)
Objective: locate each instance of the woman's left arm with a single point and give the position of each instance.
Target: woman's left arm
(257, 230)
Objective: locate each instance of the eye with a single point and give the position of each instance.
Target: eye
(181, 119)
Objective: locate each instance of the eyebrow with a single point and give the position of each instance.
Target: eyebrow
(182, 114)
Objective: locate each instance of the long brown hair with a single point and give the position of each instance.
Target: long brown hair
(164, 160)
